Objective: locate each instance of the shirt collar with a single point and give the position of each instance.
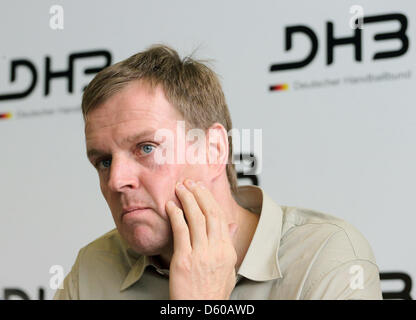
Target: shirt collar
(138, 263)
(261, 260)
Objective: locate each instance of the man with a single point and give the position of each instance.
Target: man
(184, 230)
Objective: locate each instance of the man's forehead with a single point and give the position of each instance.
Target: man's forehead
(123, 121)
(136, 100)
(130, 115)
(108, 116)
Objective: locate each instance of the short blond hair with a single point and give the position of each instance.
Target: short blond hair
(189, 85)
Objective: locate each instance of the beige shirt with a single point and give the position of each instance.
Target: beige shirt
(295, 253)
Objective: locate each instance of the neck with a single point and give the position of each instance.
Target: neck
(233, 213)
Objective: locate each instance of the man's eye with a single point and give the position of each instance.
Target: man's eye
(147, 148)
(104, 163)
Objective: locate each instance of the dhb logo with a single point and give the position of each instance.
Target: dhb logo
(29, 70)
(355, 40)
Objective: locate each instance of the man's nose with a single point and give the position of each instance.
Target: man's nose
(123, 174)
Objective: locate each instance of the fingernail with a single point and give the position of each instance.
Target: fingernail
(190, 182)
(180, 185)
(170, 203)
(233, 229)
(201, 184)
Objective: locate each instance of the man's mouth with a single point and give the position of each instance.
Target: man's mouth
(133, 209)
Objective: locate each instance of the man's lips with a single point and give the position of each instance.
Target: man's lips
(132, 209)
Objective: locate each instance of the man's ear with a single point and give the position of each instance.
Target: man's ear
(217, 147)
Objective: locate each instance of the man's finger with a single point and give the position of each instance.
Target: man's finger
(194, 216)
(210, 208)
(181, 238)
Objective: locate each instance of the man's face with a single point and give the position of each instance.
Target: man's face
(123, 129)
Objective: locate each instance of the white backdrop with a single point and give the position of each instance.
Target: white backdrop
(331, 142)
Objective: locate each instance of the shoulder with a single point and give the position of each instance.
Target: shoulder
(325, 231)
(323, 252)
(94, 260)
(109, 244)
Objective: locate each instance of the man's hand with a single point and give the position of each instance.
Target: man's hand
(204, 258)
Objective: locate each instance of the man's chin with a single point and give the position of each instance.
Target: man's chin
(145, 250)
(145, 242)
